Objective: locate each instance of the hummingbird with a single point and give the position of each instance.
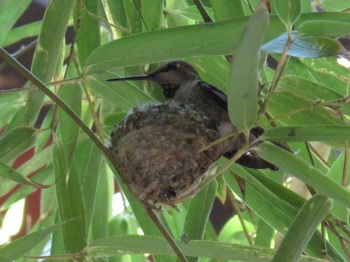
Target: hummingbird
(181, 82)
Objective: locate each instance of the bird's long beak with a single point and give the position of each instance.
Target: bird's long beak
(128, 78)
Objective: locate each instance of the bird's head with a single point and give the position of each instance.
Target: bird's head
(169, 76)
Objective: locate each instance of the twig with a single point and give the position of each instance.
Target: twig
(164, 232)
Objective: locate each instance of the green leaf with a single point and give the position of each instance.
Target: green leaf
(262, 196)
(43, 177)
(16, 142)
(101, 225)
(314, 91)
(293, 109)
(305, 172)
(182, 42)
(304, 46)
(332, 29)
(9, 14)
(278, 189)
(152, 11)
(10, 105)
(243, 91)
(7, 172)
(227, 9)
(23, 245)
(88, 161)
(303, 228)
(337, 172)
(262, 200)
(123, 95)
(88, 33)
(117, 12)
(71, 94)
(199, 211)
(48, 49)
(40, 159)
(155, 245)
(329, 67)
(307, 133)
(19, 33)
(76, 234)
(145, 222)
(170, 44)
(70, 202)
(288, 11)
(132, 9)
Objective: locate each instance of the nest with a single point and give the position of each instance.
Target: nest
(158, 151)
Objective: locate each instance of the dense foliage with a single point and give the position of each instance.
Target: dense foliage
(291, 48)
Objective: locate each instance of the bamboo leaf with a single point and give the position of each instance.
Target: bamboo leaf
(305, 172)
(227, 9)
(152, 14)
(332, 29)
(307, 133)
(155, 245)
(15, 142)
(9, 13)
(7, 172)
(48, 49)
(303, 227)
(305, 46)
(244, 76)
(262, 196)
(88, 33)
(199, 211)
(288, 11)
(22, 32)
(23, 245)
(170, 44)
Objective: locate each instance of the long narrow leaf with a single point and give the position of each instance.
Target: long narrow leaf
(244, 73)
(305, 172)
(24, 244)
(49, 48)
(307, 133)
(210, 249)
(303, 228)
(15, 142)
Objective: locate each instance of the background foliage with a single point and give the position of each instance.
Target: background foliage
(304, 98)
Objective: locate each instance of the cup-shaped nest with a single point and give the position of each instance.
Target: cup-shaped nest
(158, 151)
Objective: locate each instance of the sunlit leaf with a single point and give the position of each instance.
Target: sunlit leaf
(304, 46)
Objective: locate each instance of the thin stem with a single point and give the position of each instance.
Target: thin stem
(54, 83)
(165, 233)
(206, 17)
(277, 75)
(20, 52)
(240, 216)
